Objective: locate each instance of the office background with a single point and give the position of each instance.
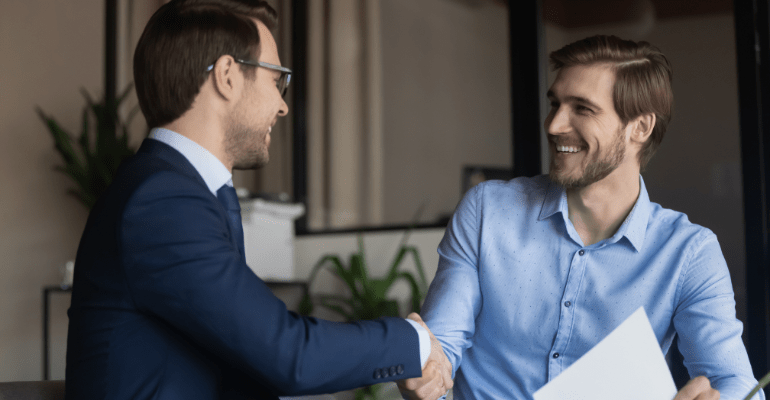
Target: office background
(438, 103)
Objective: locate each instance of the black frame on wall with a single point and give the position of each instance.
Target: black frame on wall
(752, 39)
(525, 26)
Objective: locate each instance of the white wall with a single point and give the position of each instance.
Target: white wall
(50, 49)
(446, 101)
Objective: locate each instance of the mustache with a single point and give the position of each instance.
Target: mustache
(563, 141)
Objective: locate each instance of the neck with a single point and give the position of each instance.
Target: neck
(202, 125)
(598, 210)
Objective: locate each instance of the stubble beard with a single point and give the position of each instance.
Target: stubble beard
(593, 172)
(245, 145)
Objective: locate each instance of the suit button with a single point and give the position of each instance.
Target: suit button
(392, 371)
(385, 373)
(400, 369)
(377, 373)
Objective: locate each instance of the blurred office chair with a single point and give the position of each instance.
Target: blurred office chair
(33, 390)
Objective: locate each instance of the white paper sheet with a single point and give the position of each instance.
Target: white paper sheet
(627, 364)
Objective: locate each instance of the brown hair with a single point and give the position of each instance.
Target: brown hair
(642, 80)
(184, 37)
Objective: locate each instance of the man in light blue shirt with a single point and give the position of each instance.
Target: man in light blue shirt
(534, 272)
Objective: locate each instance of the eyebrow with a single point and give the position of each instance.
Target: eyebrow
(576, 99)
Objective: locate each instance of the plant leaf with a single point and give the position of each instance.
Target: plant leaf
(62, 139)
(418, 265)
(339, 310)
(388, 308)
(94, 171)
(417, 295)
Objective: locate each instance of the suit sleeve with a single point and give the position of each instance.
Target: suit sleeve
(454, 297)
(182, 268)
(709, 333)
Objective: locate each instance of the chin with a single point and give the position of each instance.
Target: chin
(255, 162)
(563, 178)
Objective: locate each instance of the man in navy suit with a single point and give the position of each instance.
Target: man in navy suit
(163, 303)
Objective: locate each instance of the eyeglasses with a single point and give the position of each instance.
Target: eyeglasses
(283, 81)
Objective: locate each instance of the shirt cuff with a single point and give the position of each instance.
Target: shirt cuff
(424, 342)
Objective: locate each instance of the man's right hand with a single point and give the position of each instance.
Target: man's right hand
(436, 377)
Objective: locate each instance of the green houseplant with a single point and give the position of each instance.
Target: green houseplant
(368, 296)
(92, 162)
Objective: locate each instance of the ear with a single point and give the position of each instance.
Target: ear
(227, 77)
(642, 127)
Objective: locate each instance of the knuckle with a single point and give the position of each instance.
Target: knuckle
(702, 381)
(412, 384)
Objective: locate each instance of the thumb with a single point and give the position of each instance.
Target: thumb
(414, 317)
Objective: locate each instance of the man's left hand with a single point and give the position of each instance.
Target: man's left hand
(698, 388)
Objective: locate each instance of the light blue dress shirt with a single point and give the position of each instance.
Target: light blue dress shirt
(518, 298)
(215, 174)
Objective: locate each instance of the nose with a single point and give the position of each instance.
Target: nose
(284, 108)
(557, 121)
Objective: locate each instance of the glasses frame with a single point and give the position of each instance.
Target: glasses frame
(284, 80)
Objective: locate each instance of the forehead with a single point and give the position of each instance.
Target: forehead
(593, 82)
(269, 53)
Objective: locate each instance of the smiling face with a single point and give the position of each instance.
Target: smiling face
(586, 137)
(247, 139)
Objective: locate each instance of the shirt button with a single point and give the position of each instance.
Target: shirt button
(555, 355)
(581, 252)
(567, 303)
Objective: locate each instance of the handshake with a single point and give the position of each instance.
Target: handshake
(436, 375)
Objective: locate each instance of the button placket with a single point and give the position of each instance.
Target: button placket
(566, 318)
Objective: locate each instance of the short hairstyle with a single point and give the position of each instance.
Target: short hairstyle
(642, 80)
(181, 40)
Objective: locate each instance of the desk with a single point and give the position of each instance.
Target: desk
(290, 292)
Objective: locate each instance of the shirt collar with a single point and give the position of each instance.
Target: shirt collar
(213, 172)
(634, 227)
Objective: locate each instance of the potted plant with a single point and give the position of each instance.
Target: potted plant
(95, 162)
(368, 296)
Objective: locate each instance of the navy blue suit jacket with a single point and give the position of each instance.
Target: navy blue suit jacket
(164, 306)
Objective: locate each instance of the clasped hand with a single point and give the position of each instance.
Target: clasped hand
(436, 377)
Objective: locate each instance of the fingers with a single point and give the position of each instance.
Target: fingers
(698, 388)
(442, 363)
(429, 386)
(436, 353)
(444, 366)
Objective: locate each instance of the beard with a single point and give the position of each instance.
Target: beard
(594, 171)
(246, 145)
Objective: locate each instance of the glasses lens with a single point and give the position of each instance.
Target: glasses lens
(283, 83)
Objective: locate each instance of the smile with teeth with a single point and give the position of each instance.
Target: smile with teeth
(567, 149)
